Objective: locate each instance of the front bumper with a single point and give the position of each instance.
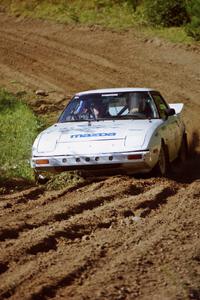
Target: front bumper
(140, 161)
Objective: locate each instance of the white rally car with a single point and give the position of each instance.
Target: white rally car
(133, 129)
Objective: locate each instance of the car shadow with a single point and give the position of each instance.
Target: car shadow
(188, 171)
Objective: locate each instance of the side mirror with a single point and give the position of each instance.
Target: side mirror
(170, 112)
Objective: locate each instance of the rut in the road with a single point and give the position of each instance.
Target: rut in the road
(79, 222)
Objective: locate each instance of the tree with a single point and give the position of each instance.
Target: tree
(166, 12)
(193, 28)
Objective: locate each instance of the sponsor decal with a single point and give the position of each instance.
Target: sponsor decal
(89, 135)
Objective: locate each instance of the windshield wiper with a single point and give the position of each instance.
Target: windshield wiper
(128, 117)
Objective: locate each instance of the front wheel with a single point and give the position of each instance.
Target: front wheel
(40, 178)
(162, 166)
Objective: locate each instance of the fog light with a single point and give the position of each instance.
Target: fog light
(87, 159)
(64, 160)
(110, 158)
(97, 158)
(42, 161)
(78, 159)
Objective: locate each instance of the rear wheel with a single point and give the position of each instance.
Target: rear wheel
(162, 166)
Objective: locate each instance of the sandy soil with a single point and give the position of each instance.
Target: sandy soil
(110, 238)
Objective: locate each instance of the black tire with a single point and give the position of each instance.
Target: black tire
(162, 166)
(39, 178)
(183, 151)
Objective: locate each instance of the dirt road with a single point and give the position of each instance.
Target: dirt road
(110, 238)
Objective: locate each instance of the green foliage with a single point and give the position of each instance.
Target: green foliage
(166, 12)
(193, 28)
(118, 14)
(133, 3)
(7, 102)
(64, 180)
(18, 128)
(114, 14)
(109, 13)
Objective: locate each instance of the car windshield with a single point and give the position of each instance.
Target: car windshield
(125, 105)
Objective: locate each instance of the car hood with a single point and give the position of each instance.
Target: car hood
(94, 137)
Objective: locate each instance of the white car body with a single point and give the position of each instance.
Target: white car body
(132, 144)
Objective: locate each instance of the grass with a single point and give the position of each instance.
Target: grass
(73, 12)
(109, 14)
(172, 34)
(18, 128)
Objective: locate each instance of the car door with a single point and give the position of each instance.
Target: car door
(169, 129)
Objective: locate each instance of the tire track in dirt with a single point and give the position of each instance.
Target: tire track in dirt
(61, 49)
(24, 197)
(32, 275)
(50, 290)
(79, 226)
(7, 202)
(60, 210)
(57, 210)
(145, 256)
(42, 59)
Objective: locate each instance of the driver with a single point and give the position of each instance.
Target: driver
(91, 109)
(99, 110)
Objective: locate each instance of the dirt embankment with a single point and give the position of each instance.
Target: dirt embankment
(111, 238)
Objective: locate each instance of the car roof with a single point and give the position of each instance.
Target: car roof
(114, 90)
